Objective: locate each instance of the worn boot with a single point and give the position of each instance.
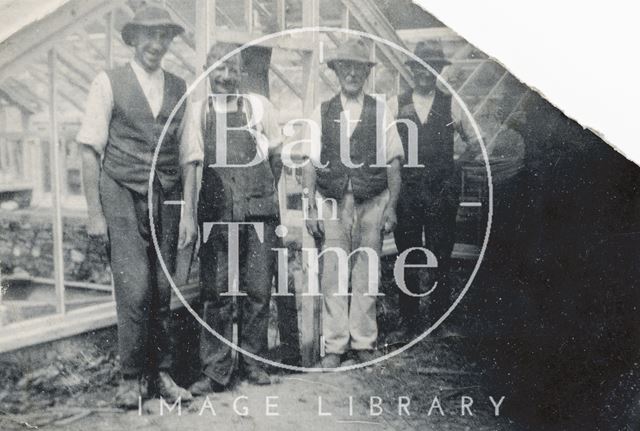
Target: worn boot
(329, 362)
(257, 375)
(366, 355)
(204, 386)
(128, 394)
(169, 390)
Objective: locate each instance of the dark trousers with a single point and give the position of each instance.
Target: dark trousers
(431, 210)
(288, 325)
(142, 291)
(256, 264)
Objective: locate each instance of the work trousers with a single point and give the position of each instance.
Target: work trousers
(251, 311)
(350, 321)
(142, 290)
(288, 325)
(430, 211)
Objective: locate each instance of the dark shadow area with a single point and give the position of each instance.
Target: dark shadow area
(553, 313)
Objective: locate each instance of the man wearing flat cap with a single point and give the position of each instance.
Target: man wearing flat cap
(428, 202)
(351, 197)
(126, 111)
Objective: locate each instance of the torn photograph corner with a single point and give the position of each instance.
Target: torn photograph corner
(286, 214)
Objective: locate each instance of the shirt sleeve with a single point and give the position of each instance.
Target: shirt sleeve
(313, 141)
(97, 114)
(462, 123)
(314, 145)
(392, 105)
(191, 139)
(394, 144)
(270, 126)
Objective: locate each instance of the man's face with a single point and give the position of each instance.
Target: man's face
(352, 76)
(151, 44)
(225, 77)
(424, 80)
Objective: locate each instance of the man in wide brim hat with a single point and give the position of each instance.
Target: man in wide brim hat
(429, 199)
(365, 195)
(150, 16)
(353, 50)
(126, 107)
(352, 65)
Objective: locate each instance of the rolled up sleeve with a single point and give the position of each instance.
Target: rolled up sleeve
(463, 124)
(394, 144)
(191, 140)
(94, 130)
(312, 147)
(270, 126)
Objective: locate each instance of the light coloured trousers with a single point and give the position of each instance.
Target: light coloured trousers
(350, 321)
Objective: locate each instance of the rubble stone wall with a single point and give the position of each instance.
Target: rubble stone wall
(26, 245)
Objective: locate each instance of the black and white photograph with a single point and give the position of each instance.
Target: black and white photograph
(304, 214)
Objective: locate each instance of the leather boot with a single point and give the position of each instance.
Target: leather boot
(329, 361)
(128, 394)
(169, 390)
(204, 386)
(257, 375)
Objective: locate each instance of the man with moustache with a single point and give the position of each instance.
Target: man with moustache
(127, 109)
(365, 197)
(429, 199)
(235, 191)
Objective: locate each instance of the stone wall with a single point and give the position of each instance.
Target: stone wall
(26, 245)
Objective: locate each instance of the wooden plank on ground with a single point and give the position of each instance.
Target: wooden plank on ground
(44, 329)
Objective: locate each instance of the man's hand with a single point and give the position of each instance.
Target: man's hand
(315, 227)
(389, 220)
(188, 233)
(97, 226)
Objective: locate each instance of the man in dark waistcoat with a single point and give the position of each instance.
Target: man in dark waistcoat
(127, 109)
(429, 199)
(240, 189)
(351, 203)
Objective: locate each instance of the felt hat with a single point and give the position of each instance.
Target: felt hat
(149, 16)
(353, 49)
(430, 53)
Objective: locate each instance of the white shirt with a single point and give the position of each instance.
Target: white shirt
(423, 104)
(257, 108)
(353, 108)
(99, 107)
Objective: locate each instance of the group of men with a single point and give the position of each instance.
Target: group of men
(127, 111)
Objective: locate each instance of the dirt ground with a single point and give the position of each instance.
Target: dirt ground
(433, 368)
(423, 388)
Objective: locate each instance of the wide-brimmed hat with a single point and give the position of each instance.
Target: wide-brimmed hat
(429, 52)
(149, 16)
(353, 49)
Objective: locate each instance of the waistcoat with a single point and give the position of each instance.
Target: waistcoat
(134, 133)
(234, 193)
(435, 140)
(366, 181)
